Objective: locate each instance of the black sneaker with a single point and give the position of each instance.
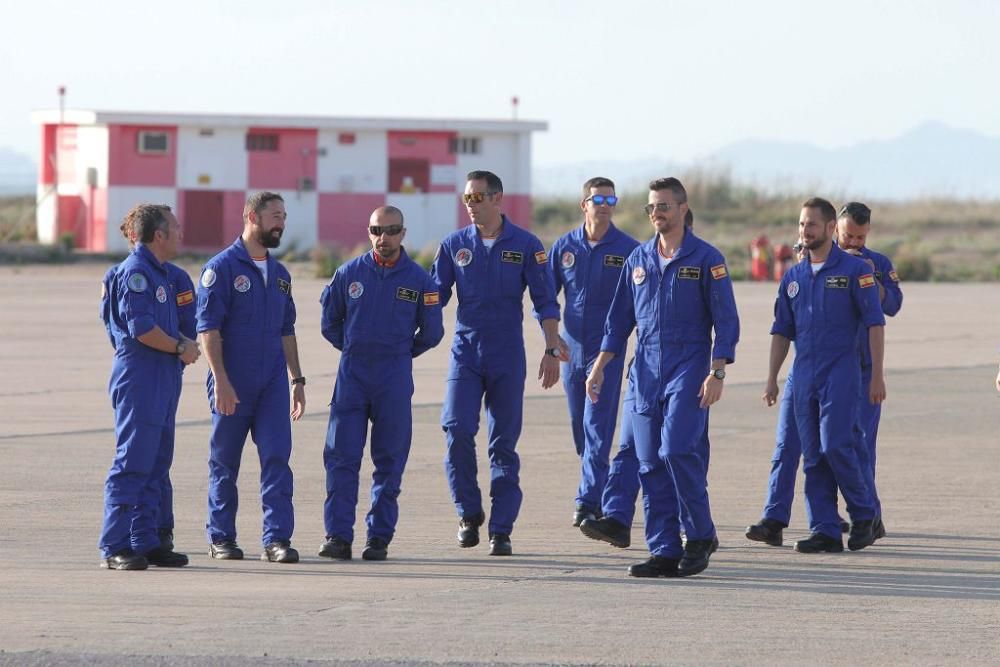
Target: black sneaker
(280, 552)
(767, 531)
(582, 513)
(819, 543)
(375, 549)
(879, 529)
(227, 550)
(607, 530)
(468, 530)
(695, 558)
(845, 526)
(161, 557)
(862, 535)
(166, 536)
(125, 560)
(500, 545)
(656, 566)
(336, 548)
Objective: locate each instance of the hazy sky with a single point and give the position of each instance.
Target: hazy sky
(615, 80)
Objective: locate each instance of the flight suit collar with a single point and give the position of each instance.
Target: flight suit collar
(147, 256)
(579, 235)
(404, 259)
(835, 257)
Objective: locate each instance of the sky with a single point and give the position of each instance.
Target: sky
(615, 80)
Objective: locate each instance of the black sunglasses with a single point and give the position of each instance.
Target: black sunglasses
(390, 230)
(610, 200)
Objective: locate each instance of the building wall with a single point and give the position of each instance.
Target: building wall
(358, 167)
(211, 158)
(283, 169)
(343, 218)
(429, 218)
(121, 199)
(127, 166)
(303, 212)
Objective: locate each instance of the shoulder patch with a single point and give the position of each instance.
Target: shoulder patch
(893, 276)
(793, 289)
(137, 282)
(719, 271)
(567, 260)
(638, 275)
(513, 257)
(867, 280)
(185, 298)
(285, 286)
(208, 278)
(407, 294)
(616, 261)
(431, 298)
(540, 257)
(689, 272)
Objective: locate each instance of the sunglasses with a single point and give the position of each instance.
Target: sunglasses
(379, 230)
(476, 197)
(662, 207)
(610, 200)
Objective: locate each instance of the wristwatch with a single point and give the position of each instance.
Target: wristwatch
(719, 373)
(299, 380)
(181, 346)
(552, 351)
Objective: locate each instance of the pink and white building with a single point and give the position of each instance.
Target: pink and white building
(332, 173)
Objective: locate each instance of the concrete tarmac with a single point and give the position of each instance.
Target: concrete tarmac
(929, 593)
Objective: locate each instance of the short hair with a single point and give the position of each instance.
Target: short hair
(672, 184)
(144, 220)
(258, 201)
(597, 182)
(392, 210)
(689, 218)
(826, 209)
(856, 211)
(493, 182)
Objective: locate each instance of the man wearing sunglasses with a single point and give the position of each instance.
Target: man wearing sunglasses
(676, 290)
(586, 263)
(374, 380)
(489, 264)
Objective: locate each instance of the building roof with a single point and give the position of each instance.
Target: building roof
(97, 117)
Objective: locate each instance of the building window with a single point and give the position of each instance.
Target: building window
(347, 138)
(153, 143)
(464, 145)
(262, 142)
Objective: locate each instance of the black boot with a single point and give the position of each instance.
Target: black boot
(226, 550)
(280, 552)
(375, 549)
(819, 543)
(607, 530)
(125, 560)
(468, 530)
(500, 545)
(161, 557)
(695, 558)
(336, 548)
(767, 531)
(656, 566)
(862, 535)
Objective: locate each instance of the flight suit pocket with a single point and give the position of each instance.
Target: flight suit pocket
(512, 274)
(404, 310)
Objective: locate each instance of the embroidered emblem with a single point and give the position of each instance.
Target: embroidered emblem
(463, 257)
(355, 290)
(208, 278)
(838, 282)
(867, 280)
(541, 257)
(638, 275)
(185, 298)
(893, 276)
(431, 299)
(161, 294)
(792, 290)
(689, 272)
(567, 260)
(242, 283)
(137, 283)
(719, 271)
(407, 294)
(512, 257)
(284, 286)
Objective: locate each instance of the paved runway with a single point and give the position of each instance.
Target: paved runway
(928, 593)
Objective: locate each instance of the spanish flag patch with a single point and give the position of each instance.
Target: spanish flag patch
(431, 299)
(541, 257)
(867, 280)
(719, 272)
(185, 298)
(892, 274)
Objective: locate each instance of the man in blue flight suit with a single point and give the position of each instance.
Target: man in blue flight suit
(184, 289)
(246, 319)
(675, 289)
(853, 225)
(586, 264)
(823, 303)
(145, 379)
(490, 263)
(380, 310)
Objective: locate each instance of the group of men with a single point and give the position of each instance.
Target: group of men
(382, 309)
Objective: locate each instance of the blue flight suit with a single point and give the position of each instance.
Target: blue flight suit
(788, 448)
(184, 291)
(380, 317)
(144, 387)
(252, 319)
(487, 357)
(675, 312)
(589, 276)
(823, 315)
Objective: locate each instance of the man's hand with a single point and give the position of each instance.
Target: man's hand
(225, 398)
(298, 401)
(548, 370)
(563, 349)
(770, 396)
(594, 382)
(711, 391)
(191, 352)
(876, 389)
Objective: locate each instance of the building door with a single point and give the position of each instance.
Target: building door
(409, 176)
(203, 218)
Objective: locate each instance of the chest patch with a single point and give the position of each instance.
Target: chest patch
(893, 276)
(615, 261)
(638, 275)
(355, 290)
(567, 260)
(689, 272)
(407, 294)
(285, 286)
(838, 282)
(463, 257)
(208, 278)
(161, 294)
(137, 283)
(241, 284)
(512, 257)
(793, 289)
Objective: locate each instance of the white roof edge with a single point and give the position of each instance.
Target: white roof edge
(93, 117)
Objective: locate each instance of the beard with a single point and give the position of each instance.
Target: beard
(271, 239)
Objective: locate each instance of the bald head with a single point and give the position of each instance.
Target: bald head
(386, 232)
(386, 215)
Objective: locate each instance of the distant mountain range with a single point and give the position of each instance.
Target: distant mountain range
(18, 173)
(931, 160)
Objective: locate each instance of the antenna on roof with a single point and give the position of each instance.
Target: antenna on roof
(514, 101)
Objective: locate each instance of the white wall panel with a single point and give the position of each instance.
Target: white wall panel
(359, 167)
(121, 199)
(216, 161)
(302, 225)
(429, 217)
(92, 153)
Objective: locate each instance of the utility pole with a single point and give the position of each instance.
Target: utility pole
(55, 158)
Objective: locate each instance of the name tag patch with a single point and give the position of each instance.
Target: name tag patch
(512, 257)
(839, 282)
(431, 299)
(284, 286)
(616, 261)
(185, 298)
(406, 294)
(689, 272)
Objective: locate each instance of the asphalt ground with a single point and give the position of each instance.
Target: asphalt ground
(929, 593)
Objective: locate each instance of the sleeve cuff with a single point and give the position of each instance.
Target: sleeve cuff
(613, 344)
(141, 326)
